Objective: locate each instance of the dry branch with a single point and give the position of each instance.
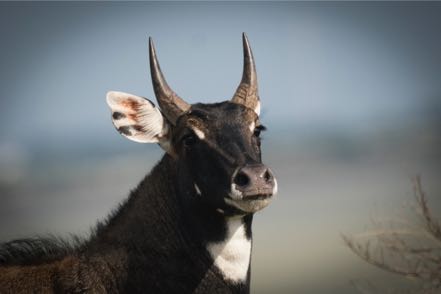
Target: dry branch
(413, 250)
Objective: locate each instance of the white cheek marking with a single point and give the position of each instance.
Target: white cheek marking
(252, 126)
(199, 133)
(198, 191)
(275, 189)
(257, 109)
(232, 256)
(235, 194)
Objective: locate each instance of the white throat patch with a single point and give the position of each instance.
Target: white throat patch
(232, 255)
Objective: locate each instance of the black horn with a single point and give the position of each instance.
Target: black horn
(170, 103)
(247, 93)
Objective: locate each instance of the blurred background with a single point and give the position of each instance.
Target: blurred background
(351, 97)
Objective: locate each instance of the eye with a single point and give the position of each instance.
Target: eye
(258, 130)
(189, 140)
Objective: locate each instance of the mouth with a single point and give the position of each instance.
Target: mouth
(251, 200)
(250, 203)
(262, 196)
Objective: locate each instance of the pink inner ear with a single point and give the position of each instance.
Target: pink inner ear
(130, 103)
(130, 109)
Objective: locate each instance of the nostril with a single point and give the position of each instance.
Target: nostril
(241, 179)
(267, 176)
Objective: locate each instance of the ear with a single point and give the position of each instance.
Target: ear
(138, 119)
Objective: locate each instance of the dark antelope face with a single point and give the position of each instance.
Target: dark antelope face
(216, 145)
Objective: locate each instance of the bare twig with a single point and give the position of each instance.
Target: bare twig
(411, 250)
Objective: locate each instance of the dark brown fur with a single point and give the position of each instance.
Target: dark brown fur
(156, 242)
(143, 247)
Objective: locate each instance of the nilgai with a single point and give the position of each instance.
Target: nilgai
(186, 228)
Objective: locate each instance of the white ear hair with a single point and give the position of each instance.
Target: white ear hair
(137, 118)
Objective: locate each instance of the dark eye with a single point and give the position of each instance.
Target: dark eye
(189, 140)
(258, 130)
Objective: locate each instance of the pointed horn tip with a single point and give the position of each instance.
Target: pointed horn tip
(246, 47)
(245, 37)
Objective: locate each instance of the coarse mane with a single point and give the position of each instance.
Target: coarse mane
(45, 249)
(37, 250)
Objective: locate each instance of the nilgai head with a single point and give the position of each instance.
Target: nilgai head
(216, 146)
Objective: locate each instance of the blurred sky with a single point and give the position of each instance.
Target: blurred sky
(351, 96)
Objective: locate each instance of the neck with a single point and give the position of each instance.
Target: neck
(173, 233)
(226, 238)
(232, 254)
